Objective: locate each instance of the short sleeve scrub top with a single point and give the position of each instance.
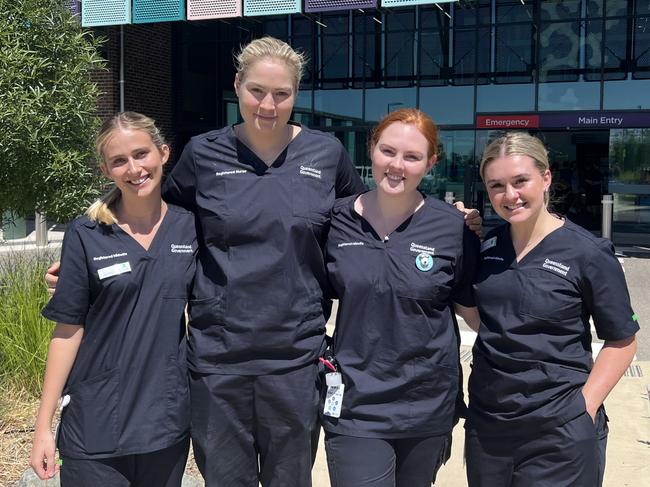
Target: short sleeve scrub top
(128, 385)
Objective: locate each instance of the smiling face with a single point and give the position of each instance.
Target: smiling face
(133, 162)
(399, 159)
(266, 95)
(516, 188)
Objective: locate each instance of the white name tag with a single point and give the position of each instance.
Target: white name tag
(488, 244)
(114, 270)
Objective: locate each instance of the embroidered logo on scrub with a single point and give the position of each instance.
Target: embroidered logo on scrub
(310, 171)
(424, 262)
(181, 249)
(556, 267)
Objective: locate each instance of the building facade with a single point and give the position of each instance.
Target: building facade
(576, 73)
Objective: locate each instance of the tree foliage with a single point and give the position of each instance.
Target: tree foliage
(47, 109)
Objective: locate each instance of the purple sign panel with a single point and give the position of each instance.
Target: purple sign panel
(324, 5)
(605, 120)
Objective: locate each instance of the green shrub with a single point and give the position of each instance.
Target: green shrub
(24, 333)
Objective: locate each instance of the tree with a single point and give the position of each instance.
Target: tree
(47, 109)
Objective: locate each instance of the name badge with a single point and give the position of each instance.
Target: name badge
(488, 244)
(334, 396)
(114, 270)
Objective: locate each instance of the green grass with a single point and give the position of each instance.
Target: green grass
(24, 333)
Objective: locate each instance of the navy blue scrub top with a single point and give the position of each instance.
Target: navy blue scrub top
(395, 340)
(128, 385)
(533, 351)
(259, 305)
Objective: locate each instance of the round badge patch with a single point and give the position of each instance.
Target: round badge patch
(424, 262)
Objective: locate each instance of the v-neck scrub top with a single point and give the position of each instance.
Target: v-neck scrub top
(533, 351)
(128, 385)
(394, 339)
(258, 304)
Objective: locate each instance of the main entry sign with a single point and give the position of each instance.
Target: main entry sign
(604, 120)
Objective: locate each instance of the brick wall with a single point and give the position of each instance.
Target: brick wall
(147, 73)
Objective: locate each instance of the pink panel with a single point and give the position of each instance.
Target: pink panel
(213, 9)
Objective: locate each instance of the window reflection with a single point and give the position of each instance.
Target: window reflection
(559, 51)
(617, 95)
(339, 104)
(629, 181)
(569, 96)
(506, 98)
(560, 9)
(455, 162)
(380, 101)
(448, 105)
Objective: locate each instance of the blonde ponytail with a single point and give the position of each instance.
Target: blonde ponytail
(101, 210)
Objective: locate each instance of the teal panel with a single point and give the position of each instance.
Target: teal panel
(105, 12)
(402, 3)
(147, 11)
(271, 7)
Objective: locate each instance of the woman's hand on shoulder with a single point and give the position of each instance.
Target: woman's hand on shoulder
(52, 276)
(473, 218)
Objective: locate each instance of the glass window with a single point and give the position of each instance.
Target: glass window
(560, 9)
(642, 8)
(506, 98)
(616, 95)
(593, 53)
(569, 96)
(302, 107)
(366, 63)
(399, 58)
(472, 12)
(276, 27)
(301, 26)
(629, 181)
(334, 51)
(559, 51)
(455, 162)
(615, 8)
(399, 51)
(339, 104)
(514, 11)
(434, 49)
(380, 101)
(337, 23)
(595, 8)
(616, 49)
(334, 61)
(514, 47)
(304, 44)
(642, 47)
(471, 56)
(197, 80)
(448, 105)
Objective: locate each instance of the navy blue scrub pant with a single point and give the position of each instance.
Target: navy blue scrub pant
(162, 468)
(250, 429)
(378, 462)
(572, 454)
